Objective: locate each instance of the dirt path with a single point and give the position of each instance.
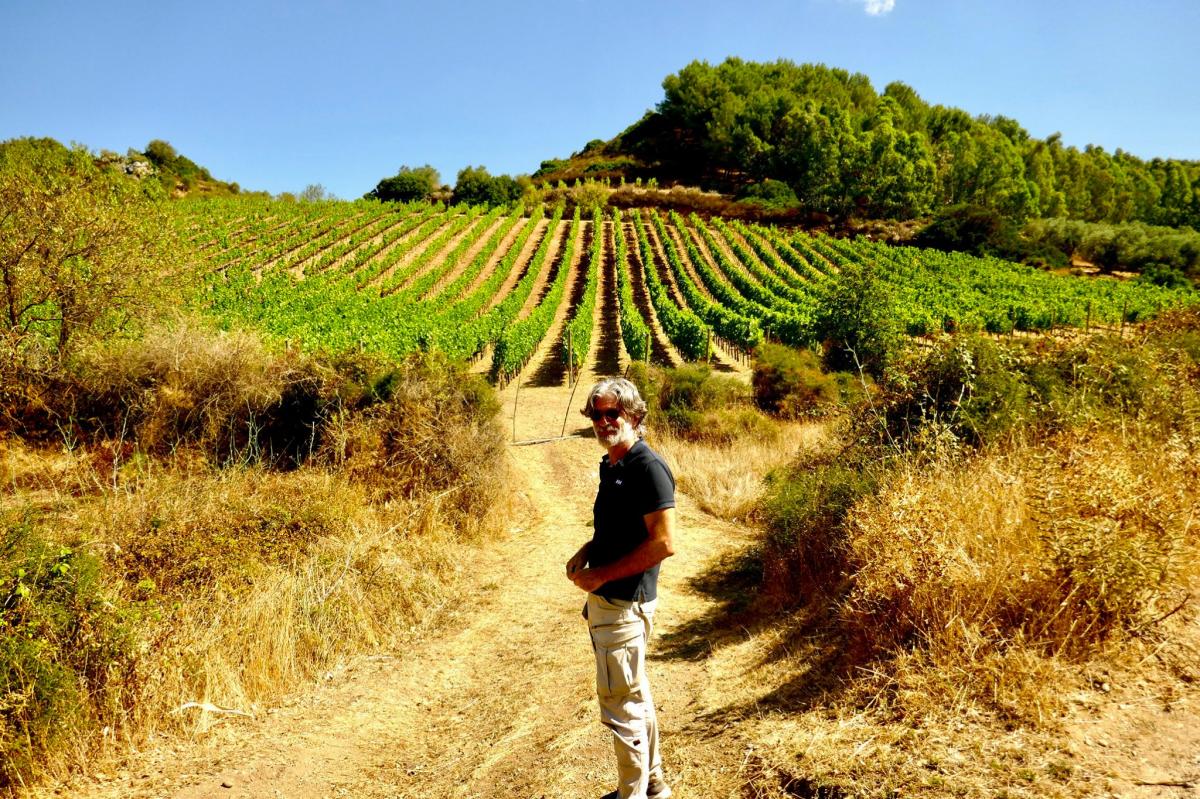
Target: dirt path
(499, 702)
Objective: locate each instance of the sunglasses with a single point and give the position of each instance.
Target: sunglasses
(611, 414)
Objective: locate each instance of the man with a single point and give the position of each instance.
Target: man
(634, 517)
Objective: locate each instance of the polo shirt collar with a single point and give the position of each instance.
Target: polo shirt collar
(641, 442)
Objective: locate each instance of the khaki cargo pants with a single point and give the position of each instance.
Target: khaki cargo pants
(619, 633)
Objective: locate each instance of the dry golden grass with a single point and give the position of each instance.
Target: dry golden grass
(238, 585)
(1060, 547)
(726, 479)
(167, 560)
(994, 605)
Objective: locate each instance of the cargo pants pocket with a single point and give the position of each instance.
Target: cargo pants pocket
(619, 669)
(619, 639)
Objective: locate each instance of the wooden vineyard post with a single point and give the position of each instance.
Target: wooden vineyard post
(1124, 311)
(647, 347)
(516, 394)
(570, 360)
(708, 346)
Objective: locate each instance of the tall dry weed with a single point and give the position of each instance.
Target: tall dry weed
(186, 385)
(996, 571)
(199, 578)
(727, 479)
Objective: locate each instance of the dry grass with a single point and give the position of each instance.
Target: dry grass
(161, 556)
(1060, 548)
(239, 585)
(994, 606)
(726, 479)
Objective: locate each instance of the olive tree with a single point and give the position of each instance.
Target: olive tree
(81, 247)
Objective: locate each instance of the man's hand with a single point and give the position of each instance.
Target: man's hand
(588, 579)
(577, 562)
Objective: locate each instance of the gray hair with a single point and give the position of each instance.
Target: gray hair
(627, 397)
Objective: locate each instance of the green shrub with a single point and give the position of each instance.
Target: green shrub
(61, 640)
(790, 383)
(1080, 382)
(1165, 276)
(772, 194)
(697, 404)
(648, 380)
(805, 512)
(968, 386)
(696, 387)
(856, 318)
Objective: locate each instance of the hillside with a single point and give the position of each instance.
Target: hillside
(825, 142)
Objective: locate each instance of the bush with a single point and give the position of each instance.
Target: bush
(181, 386)
(1129, 245)
(63, 639)
(790, 383)
(399, 427)
(695, 404)
(772, 194)
(698, 405)
(433, 430)
(1047, 551)
(968, 385)
(979, 391)
(856, 318)
(805, 513)
(969, 228)
(1165, 276)
(150, 581)
(590, 194)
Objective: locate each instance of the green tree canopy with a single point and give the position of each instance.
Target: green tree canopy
(847, 150)
(476, 186)
(409, 184)
(81, 248)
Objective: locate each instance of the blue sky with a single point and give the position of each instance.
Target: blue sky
(280, 94)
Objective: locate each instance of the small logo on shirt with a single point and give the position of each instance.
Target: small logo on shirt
(618, 482)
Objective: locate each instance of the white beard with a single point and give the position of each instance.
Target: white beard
(622, 433)
(609, 440)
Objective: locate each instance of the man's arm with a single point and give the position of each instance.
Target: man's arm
(658, 546)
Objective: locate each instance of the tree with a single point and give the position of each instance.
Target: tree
(314, 192)
(407, 185)
(476, 186)
(81, 247)
(161, 153)
(857, 321)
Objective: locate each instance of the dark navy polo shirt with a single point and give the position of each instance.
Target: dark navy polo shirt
(639, 483)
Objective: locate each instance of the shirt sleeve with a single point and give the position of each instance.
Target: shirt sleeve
(658, 488)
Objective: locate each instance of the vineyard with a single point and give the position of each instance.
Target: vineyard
(488, 284)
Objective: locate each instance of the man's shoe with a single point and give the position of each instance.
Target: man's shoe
(657, 789)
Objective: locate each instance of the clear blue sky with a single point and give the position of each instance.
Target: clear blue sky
(279, 94)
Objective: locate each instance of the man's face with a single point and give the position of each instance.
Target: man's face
(610, 431)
